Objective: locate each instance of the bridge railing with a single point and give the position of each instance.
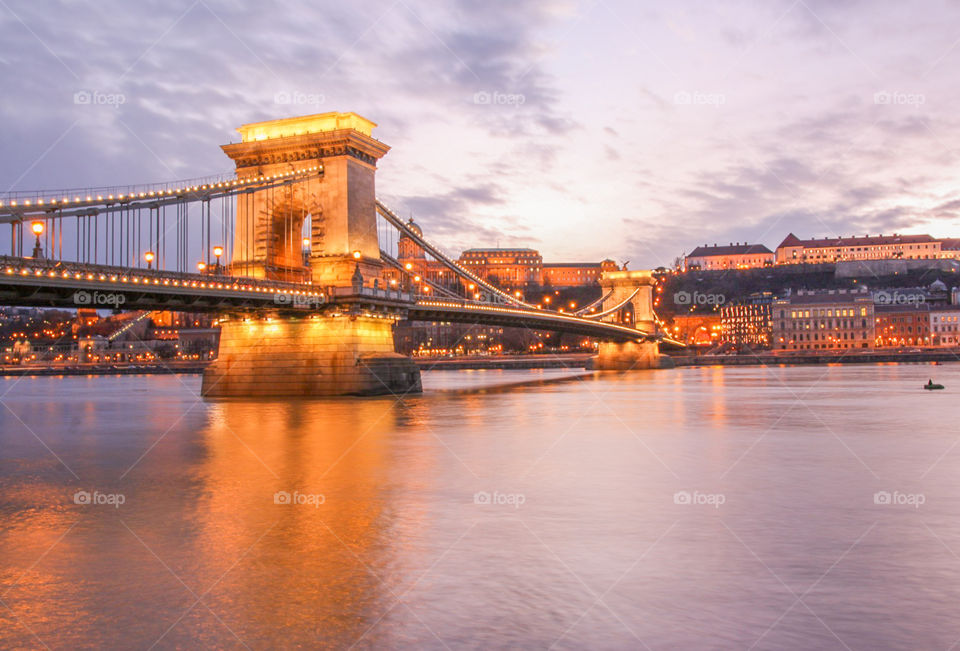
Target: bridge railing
(10, 265)
(151, 189)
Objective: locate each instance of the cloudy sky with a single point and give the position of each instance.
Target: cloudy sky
(611, 128)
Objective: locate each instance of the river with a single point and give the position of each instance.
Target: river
(709, 508)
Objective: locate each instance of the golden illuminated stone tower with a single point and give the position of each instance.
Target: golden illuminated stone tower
(636, 287)
(339, 203)
(315, 352)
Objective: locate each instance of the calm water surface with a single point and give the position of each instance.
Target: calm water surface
(697, 508)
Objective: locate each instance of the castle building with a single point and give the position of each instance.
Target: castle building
(793, 250)
(505, 267)
(733, 256)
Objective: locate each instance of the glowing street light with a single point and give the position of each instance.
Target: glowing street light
(149, 256)
(201, 266)
(37, 228)
(357, 279)
(217, 252)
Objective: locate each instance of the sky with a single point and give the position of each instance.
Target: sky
(629, 130)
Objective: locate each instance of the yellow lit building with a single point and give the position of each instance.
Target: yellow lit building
(824, 320)
(733, 256)
(793, 250)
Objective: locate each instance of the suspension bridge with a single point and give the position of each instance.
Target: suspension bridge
(296, 254)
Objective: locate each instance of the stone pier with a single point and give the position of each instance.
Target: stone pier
(308, 356)
(637, 312)
(628, 356)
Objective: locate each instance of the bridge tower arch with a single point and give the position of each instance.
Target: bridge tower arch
(633, 292)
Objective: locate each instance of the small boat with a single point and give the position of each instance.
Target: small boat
(930, 386)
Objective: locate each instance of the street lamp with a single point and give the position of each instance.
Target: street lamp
(217, 252)
(149, 257)
(357, 279)
(37, 228)
(201, 266)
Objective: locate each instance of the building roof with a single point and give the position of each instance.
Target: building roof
(907, 308)
(827, 297)
(547, 265)
(865, 240)
(415, 227)
(950, 244)
(495, 250)
(731, 249)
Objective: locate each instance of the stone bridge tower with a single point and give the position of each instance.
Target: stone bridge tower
(335, 210)
(311, 352)
(637, 286)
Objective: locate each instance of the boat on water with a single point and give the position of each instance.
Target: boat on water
(930, 386)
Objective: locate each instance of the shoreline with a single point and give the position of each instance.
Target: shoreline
(175, 368)
(521, 362)
(768, 359)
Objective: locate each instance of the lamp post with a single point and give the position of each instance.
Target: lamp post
(149, 257)
(357, 280)
(37, 228)
(201, 266)
(217, 252)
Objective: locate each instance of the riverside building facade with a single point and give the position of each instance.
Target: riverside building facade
(824, 320)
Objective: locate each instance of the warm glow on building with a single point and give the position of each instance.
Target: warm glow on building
(306, 124)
